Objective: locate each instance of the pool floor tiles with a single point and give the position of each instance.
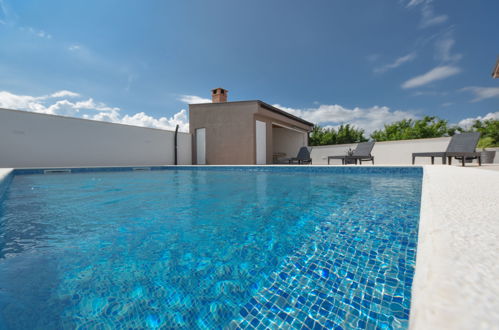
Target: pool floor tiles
(352, 273)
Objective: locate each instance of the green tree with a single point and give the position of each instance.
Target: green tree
(321, 136)
(344, 134)
(406, 129)
(489, 130)
(349, 134)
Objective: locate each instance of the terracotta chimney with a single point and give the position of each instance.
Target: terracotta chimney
(219, 95)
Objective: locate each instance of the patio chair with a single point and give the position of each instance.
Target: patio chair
(303, 157)
(361, 153)
(461, 146)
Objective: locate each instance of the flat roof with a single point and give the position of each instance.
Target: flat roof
(268, 107)
(284, 113)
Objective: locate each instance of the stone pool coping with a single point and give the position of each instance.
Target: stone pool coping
(456, 283)
(4, 174)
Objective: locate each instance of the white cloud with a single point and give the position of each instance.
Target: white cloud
(144, 120)
(64, 93)
(398, 62)
(74, 48)
(482, 93)
(32, 103)
(443, 49)
(10, 18)
(413, 3)
(62, 107)
(24, 102)
(193, 99)
(43, 34)
(91, 105)
(5, 13)
(58, 104)
(466, 123)
(438, 73)
(35, 32)
(369, 119)
(428, 18)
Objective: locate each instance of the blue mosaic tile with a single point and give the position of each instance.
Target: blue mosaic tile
(247, 248)
(353, 272)
(372, 170)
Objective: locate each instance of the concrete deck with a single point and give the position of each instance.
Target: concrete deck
(456, 284)
(491, 167)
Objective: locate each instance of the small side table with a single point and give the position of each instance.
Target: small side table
(276, 156)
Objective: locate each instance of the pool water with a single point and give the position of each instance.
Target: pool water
(209, 249)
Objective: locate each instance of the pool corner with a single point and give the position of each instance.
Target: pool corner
(5, 175)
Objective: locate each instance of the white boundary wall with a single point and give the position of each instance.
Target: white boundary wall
(389, 152)
(30, 139)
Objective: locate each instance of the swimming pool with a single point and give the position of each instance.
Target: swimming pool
(209, 247)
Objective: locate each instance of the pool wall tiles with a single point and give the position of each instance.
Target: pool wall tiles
(403, 170)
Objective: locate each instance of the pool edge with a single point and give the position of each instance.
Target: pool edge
(455, 282)
(5, 177)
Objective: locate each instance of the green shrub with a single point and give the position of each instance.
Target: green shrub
(489, 130)
(486, 142)
(407, 129)
(345, 134)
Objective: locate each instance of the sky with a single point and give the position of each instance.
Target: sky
(365, 63)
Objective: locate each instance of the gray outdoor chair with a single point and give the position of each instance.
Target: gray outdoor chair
(303, 157)
(361, 153)
(461, 146)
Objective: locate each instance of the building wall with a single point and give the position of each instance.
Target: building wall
(230, 132)
(270, 117)
(288, 141)
(37, 140)
(389, 152)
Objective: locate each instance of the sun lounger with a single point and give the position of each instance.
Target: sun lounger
(303, 157)
(361, 153)
(461, 146)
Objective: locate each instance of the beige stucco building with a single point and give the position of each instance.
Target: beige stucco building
(243, 132)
